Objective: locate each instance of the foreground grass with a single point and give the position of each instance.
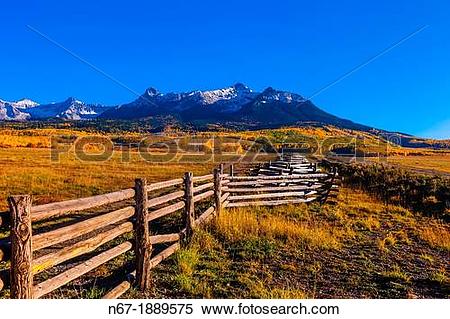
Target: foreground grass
(359, 248)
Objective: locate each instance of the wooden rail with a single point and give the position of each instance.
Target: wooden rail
(101, 237)
(291, 179)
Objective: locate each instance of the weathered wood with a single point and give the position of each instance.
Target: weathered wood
(164, 184)
(203, 178)
(46, 211)
(286, 177)
(118, 291)
(279, 172)
(189, 212)
(231, 170)
(330, 187)
(165, 211)
(83, 247)
(164, 254)
(21, 276)
(203, 196)
(269, 203)
(67, 276)
(221, 168)
(266, 172)
(269, 195)
(273, 189)
(284, 164)
(62, 234)
(164, 199)
(164, 238)
(217, 191)
(143, 246)
(207, 214)
(288, 170)
(203, 187)
(224, 197)
(270, 181)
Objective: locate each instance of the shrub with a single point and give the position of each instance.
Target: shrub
(393, 185)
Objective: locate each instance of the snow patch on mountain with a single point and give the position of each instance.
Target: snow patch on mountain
(16, 110)
(70, 109)
(24, 103)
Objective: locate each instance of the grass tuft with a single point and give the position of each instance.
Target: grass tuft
(436, 235)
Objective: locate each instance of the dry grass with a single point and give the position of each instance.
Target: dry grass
(432, 162)
(396, 274)
(249, 223)
(436, 235)
(284, 252)
(31, 171)
(311, 251)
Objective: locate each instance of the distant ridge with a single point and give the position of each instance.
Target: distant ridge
(237, 104)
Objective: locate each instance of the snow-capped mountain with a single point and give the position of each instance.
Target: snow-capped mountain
(16, 110)
(237, 103)
(202, 103)
(234, 104)
(70, 109)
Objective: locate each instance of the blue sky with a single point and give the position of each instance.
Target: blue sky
(298, 46)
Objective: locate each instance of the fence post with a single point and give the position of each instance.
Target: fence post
(21, 251)
(221, 168)
(217, 191)
(143, 247)
(189, 217)
(231, 170)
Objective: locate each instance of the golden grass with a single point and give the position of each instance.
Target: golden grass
(440, 276)
(436, 235)
(286, 251)
(31, 171)
(247, 223)
(433, 162)
(369, 223)
(396, 274)
(259, 289)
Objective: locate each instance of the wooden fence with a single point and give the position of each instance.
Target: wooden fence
(289, 180)
(98, 238)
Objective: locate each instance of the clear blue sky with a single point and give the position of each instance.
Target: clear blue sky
(185, 45)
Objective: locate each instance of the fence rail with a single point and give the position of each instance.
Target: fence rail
(194, 200)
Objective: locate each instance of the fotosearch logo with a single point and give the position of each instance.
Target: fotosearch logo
(195, 149)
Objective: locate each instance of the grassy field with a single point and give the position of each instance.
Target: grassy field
(435, 163)
(359, 248)
(31, 171)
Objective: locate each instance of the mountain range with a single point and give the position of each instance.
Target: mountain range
(236, 104)
(70, 109)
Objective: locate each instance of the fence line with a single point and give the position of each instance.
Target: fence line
(291, 179)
